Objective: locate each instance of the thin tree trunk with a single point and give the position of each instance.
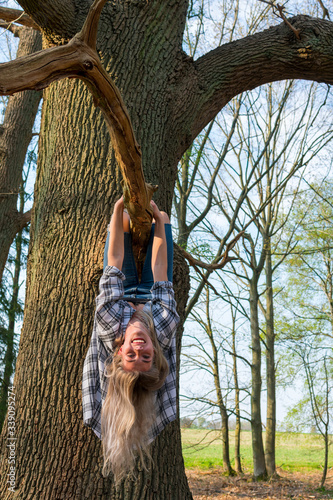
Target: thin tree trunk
(326, 424)
(223, 411)
(15, 137)
(270, 368)
(238, 463)
(181, 207)
(259, 466)
(327, 443)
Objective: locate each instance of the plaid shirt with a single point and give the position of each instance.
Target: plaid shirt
(111, 319)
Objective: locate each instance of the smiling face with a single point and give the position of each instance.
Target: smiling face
(137, 351)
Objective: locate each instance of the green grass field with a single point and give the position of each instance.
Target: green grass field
(294, 452)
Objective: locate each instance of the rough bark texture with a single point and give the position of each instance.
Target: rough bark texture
(15, 136)
(76, 185)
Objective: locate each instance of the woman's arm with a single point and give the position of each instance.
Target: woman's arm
(164, 312)
(159, 257)
(116, 241)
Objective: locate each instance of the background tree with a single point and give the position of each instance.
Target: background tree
(275, 154)
(305, 322)
(11, 308)
(15, 136)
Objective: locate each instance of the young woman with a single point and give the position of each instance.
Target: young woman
(129, 375)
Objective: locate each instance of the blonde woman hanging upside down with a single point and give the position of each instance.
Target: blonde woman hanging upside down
(129, 375)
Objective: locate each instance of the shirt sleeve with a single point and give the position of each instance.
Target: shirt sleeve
(110, 308)
(164, 312)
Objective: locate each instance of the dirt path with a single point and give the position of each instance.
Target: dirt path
(210, 485)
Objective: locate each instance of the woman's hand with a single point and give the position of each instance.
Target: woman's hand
(156, 211)
(119, 205)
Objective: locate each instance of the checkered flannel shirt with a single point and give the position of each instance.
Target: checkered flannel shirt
(111, 319)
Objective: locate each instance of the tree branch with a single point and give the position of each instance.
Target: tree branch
(13, 28)
(79, 59)
(280, 8)
(223, 260)
(272, 55)
(23, 220)
(325, 11)
(17, 16)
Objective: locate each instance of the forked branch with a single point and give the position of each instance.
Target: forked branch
(79, 59)
(278, 11)
(222, 261)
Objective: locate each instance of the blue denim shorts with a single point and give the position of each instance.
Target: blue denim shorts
(139, 291)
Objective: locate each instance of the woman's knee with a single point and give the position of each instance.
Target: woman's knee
(165, 217)
(126, 222)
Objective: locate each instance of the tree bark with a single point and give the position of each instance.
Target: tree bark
(270, 367)
(9, 357)
(76, 186)
(15, 137)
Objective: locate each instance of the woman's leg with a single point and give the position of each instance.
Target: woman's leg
(128, 267)
(126, 229)
(147, 279)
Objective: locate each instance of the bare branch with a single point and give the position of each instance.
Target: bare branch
(268, 56)
(23, 220)
(280, 9)
(13, 28)
(17, 16)
(79, 59)
(325, 11)
(225, 258)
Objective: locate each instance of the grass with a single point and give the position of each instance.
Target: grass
(294, 451)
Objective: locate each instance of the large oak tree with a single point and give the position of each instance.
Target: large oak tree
(170, 98)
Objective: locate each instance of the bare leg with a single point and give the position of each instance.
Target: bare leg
(126, 222)
(116, 243)
(159, 257)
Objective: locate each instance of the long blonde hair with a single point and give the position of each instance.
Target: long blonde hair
(128, 411)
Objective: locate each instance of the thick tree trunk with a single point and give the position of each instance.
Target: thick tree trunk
(259, 467)
(15, 137)
(270, 368)
(76, 185)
